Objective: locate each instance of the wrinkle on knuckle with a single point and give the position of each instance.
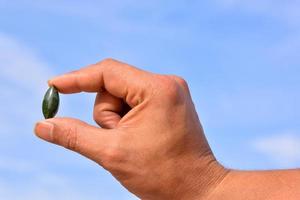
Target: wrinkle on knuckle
(105, 119)
(71, 138)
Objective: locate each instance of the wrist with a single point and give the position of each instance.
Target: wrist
(253, 185)
(201, 178)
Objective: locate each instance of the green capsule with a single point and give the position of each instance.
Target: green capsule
(50, 103)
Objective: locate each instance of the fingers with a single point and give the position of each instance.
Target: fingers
(119, 79)
(107, 110)
(75, 135)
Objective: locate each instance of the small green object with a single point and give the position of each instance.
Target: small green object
(50, 103)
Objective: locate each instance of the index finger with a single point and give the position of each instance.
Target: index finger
(119, 79)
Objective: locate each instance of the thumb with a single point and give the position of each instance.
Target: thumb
(75, 135)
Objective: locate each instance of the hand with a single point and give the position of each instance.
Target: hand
(151, 139)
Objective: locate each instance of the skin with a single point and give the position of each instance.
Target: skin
(151, 140)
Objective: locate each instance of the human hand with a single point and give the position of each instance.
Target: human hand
(151, 139)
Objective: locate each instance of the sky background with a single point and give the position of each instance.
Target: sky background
(240, 58)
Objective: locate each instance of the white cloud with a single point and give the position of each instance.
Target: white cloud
(283, 148)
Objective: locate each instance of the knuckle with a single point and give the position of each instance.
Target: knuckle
(71, 138)
(111, 156)
(169, 87)
(97, 115)
(104, 118)
(107, 61)
(100, 118)
(67, 138)
(181, 81)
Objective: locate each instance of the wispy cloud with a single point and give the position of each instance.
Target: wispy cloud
(250, 107)
(282, 148)
(282, 10)
(129, 16)
(23, 76)
(21, 66)
(36, 182)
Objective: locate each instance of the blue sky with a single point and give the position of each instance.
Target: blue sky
(240, 59)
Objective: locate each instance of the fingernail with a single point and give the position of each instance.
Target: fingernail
(44, 130)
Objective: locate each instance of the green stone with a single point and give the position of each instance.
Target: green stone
(50, 103)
